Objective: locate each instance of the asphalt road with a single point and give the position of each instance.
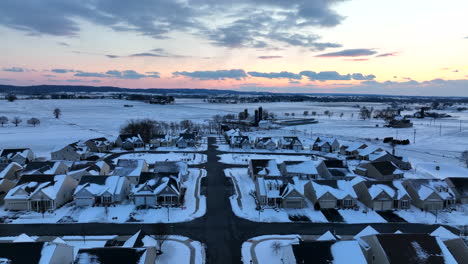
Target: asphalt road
(220, 230)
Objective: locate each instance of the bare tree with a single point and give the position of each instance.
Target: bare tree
(34, 121)
(146, 128)
(275, 247)
(57, 112)
(464, 157)
(11, 97)
(3, 120)
(16, 120)
(364, 113)
(306, 113)
(341, 115)
(286, 114)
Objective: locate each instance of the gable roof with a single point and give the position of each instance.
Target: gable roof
(426, 187)
(266, 167)
(9, 153)
(110, 255)
(411, 248)
(338, 188)
(384, 167)
(97, 185)
(304, 167)
(460, 185)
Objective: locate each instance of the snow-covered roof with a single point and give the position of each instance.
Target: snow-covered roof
(377, 189)
(129, 167)
(443, 233)
(265, 167)
(338, 188)
(327, 236)
(8, 168)
(112, 184)
(369, 150)
(347, 252)
(426, 187)
(353, 146)
(303, 167)
(49, 185)
(369, 230)
(23, 238)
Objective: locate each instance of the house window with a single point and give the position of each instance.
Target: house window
(107, 199)
(347, 203)
(404, 204)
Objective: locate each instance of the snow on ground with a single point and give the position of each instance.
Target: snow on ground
(243, 204)
(243, 159)
(190, 158)
(429, 169)
(262, 248)
(126, 212)
(363, 215)
(416, 215)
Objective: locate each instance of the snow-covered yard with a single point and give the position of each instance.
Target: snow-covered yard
(416, 215)
(363, 215)
(243, 203)
(243, 159)
(194, 207)
(259, 249)
(190, 158)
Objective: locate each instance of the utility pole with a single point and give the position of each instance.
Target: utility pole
(440, 129)
(414, 136)
(460, 125)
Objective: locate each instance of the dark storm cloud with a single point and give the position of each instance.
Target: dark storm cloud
(349, 53)
(236, 74)
(276, 75)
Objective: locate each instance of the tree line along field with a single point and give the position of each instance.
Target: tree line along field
(442, 140)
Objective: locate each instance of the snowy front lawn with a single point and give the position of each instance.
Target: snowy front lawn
(194, 207)
(271, 249)
(243, 203)
(416, 215)
(190, 158)
(243, 159)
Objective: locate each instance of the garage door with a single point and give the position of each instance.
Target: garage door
(84, 202)
(293, 204)
(382, 205)
(324, 204)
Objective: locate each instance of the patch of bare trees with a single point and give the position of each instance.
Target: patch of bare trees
(34, 121)
(3, 120)
(57, 113)
(16, 121)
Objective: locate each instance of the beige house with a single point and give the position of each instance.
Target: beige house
(131, 168)
(40, 193)
(382, 195)
(331, 193)
(430, 194)
(72, 152)
(11, 172)
(381, 170)
(5, 186)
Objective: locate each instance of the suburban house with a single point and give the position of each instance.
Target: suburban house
(405, 249)
(266, 143)
(265, 168)
(11, 172)
(291, 143)
(335, 170)
(30, 251)
(331, 193)
(46, 167)
(155, 190)
(351, 150)
(144, 255)
(171, 168)
(99, 167)
(186, 140)
(100, 145)
(326, 144)
(459, 187)
(72, 152)
(20, 156)
(5, 186)
(370, 151)
(382, 195)
(101, 190)
(40, 193)
(276, 193)
(302, 169)
(430, 194)
(386, 156)
(161, 140)
(242, 142)
(131, 168)
(380, 170)
(129, 141)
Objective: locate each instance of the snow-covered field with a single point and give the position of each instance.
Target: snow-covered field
(243, 159)
(190, 158)
(194, 207)
(441, 142)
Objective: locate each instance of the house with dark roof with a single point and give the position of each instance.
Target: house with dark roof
(459, 187)
(380, 170)
(111, 255)
(35, 252)
(129, 141)
(94, 167)
(430, 194)
(382, 195)
(186, 140)
(131, 168)
(20, 155)
(405, 249)
(266, 143)
(11, 172)
(178, 169)
(331, 193)
(324, 144)
(265, 168)
(100, 144)
(161, 140)
(293, 143)
(40, 193)
(386, 156)
(351, 150)
(307, 169)
(101, 190)
(45, 167)
(73, 152)
(239, 141)
(278, 194)
(157, 190)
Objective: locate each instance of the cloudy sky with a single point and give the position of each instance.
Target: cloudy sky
(417, 47)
